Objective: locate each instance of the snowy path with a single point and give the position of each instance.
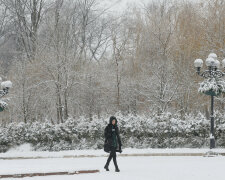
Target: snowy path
(132, 168)
(26, 153)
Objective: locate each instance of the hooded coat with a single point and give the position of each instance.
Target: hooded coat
(109, 139)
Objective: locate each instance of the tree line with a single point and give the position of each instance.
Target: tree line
(72, 58)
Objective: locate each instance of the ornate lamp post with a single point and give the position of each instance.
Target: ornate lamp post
(6, 85)
(213, 85)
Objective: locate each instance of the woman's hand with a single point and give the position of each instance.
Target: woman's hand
(120, 150)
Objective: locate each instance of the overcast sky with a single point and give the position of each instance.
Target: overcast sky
(120, 5)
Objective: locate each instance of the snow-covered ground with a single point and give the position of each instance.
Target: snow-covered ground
(26, 152)
(132, 168)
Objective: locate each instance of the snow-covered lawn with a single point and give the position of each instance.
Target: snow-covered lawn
(132, 168)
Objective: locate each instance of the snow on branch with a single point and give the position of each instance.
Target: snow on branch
(215, 85)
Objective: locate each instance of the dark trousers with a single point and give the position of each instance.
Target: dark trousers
(112, 155)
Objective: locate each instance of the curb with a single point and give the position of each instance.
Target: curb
(48, 174)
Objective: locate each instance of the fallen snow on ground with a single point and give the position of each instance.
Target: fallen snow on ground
(132, 168)
(26, 151)
(21, 148)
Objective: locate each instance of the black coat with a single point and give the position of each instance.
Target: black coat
(108, 145)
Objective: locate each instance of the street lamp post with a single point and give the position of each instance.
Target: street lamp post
(212, 72)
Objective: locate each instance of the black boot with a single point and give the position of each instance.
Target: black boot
(116, 166)
(115, 163)
(106, 167)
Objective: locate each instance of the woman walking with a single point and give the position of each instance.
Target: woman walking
(112, 142)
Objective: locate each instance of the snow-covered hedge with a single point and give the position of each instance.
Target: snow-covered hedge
(165, 131)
